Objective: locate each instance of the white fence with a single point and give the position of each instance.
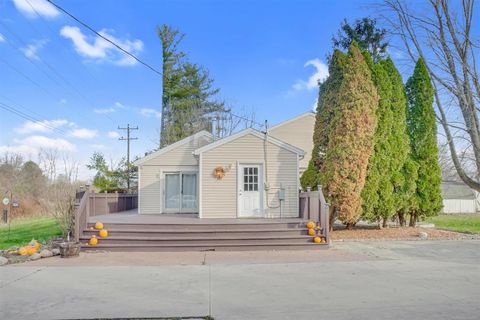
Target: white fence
(460, 206)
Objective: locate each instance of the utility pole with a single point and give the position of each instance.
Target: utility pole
(128, 139)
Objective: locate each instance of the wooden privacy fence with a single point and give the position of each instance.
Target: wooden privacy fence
(90, 204)
(313, 206)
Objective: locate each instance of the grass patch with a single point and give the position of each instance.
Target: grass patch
(22, 231)
(460, 223)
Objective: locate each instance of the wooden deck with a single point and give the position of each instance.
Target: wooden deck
(132, 217)
(130, 231)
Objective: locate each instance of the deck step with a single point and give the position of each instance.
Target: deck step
(201, 226)
(203, 235)
(202, 247)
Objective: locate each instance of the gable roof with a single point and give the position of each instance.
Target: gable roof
(305, 114)
(203, 133)
(245, 132)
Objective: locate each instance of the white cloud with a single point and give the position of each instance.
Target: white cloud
(147, 112)
(96, 48)
(97, 146)
(103, 111)
(43, 126)
(320, 75)
(30, 8)
(63, 101)
(83, 133)
(42, 142)
(120, 105)
(31, 50)
(2, 38)
(113, 134)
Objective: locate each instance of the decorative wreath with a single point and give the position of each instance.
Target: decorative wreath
(219, 172)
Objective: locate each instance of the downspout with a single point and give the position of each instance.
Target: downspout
(267, 183)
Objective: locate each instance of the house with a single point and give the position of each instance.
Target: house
(298, 132)
(459, 198)
(248, 174)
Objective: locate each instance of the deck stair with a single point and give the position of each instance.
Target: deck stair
(201, 236)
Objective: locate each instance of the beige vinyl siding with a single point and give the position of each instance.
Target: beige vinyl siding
(182, 155)
(219, 197)
(150, 187)
(298, 133)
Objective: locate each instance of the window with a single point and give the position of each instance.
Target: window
(250, 178)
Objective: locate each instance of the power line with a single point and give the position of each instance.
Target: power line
(105, 38)
(128, 139)
(51, 68)
(23, 115)
(125, 51)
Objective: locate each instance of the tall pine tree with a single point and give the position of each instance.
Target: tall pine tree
(350, 137)
(422, 131)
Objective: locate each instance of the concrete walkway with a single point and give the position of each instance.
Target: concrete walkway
(354, 280)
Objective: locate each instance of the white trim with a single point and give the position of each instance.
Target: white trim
(297, 191)
(308, 113)
(163, 173)
(245, 132)
(139, 187)
(200, 187)
(261, 185)
(173, 146)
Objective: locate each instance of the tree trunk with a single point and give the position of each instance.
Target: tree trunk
(413, 220)
(349, 225)
(384, 223)
(401, 219)
(331, 216)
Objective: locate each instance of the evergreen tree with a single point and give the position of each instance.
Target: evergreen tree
(377, 195)
(422, 131)
(187, 93)
(366, 34)
(350, 137)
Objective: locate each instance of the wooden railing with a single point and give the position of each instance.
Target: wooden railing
(81, 214)
(89, 204)
(313, 206)
(106, 203)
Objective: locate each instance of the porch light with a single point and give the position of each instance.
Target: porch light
(219, 172)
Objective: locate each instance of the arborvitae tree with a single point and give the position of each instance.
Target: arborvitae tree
(377, 195)
(327, 106)
(422, 131)
(405, 195)
(398, 139)
(350, 137)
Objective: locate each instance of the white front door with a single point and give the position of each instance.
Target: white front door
(250, 182)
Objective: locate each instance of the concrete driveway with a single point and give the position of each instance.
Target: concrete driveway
(354, 280)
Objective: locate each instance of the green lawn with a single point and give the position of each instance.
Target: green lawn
(22, 231)
(460, 223)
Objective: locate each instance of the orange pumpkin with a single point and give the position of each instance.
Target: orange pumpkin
(310, 224)
(311, 232)
(22, 251)
(103, 233)
(99, 225)
(31, 250)
(93, 241)
(317, 240)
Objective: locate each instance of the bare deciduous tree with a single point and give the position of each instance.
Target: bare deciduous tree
(443, 38)
(47, 159)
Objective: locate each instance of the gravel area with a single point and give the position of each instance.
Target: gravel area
(393, 233)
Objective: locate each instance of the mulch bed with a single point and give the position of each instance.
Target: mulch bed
(394, 233)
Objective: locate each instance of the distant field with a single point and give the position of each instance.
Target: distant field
(22, 231)
(461, 223)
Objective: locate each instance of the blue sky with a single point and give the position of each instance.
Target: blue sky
(265, 56)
